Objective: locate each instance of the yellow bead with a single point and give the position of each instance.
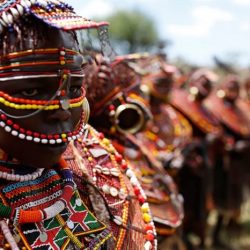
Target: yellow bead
(145, 209)
(85, 150)
(28, 106)
(2, 100)
(6, 103)
(62, 63)
(12, 105)
(146, 217)
(90, 158)
(63, 136)
(106, 141)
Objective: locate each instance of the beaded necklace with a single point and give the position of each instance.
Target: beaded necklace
(64, 202)
(116, 193)
(20, 216)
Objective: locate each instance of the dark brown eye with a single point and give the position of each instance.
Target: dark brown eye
(76, 91)
(29, 92)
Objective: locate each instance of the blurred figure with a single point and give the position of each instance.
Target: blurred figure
(228, 176)
(195, 177)
(121, 112)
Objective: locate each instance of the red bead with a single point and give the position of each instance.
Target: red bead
(69, 134)
(63, 92)
(16, 126)
(9, 122)
(56, 136)
(111, 107)
(29, 132)
(137, 191)
(150, 237)
(101, 136)
(50, 137)
(64, 140)
(148, 227)
(141, 199)
(43, 136)
(36, 134)
(124, 165)
(118, 157)
(3, 117)
(22, 130)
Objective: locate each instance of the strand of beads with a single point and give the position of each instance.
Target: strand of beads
(17, 177)
(15, 130)
(118, 160)
(8, 236)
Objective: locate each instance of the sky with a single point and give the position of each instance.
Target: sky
(198, 29)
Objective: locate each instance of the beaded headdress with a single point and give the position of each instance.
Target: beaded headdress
(23, 25)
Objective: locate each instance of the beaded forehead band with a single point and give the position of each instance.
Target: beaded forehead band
(16, 65)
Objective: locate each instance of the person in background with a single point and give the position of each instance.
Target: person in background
(121, 112)
(195, 176)
(228, 176)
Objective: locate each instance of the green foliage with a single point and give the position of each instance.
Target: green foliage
(132, 31)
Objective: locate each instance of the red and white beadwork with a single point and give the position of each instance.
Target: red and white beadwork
(16, 130)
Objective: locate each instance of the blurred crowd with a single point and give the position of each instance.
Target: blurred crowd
(186, 136)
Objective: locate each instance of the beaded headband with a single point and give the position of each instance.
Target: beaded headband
(55, 13)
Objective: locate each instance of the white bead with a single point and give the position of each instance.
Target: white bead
(78, 202)
(5, 18)
(44, 141)
(7, 128)
(106, 189)
(73, 137)
(24, 4)
(28, 3)
(114, 172)
(20, 9)
(14, 133)
(58, 141)
(36, 139)
(117, 220)
(33, 1)
(105, 171)
(29, 138)
(70, 224)
(148, 245)
(21, 136)
(129, 173)
(134, 181)
(2, 124)
(113, 191)
(52, 141)
(69, 139)
(3, 23)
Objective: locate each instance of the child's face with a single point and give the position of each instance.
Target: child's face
(49, 122)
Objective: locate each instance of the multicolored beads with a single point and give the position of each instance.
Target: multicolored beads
(16, 130)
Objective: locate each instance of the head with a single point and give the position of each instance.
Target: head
(230, 88)
(41, 87)
(113, 92)
(161, 81)
(201, 83)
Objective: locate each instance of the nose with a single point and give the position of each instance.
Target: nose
(59, 115)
